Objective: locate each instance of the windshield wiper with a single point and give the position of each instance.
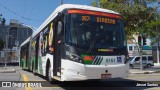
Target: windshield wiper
(92, 44)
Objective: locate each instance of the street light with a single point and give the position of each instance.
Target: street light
(158, 41)
(156, 30)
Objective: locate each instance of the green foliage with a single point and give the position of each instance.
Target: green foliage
(2, 20)
(152, 29)
(135, 14)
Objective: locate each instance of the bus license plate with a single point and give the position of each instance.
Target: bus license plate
(105, 76)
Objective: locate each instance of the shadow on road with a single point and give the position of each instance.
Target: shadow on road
(111, 84)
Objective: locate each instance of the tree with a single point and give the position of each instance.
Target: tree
(152, 29)
(2, 20)
(135, 12)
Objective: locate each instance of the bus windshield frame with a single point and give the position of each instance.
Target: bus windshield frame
(95, 30)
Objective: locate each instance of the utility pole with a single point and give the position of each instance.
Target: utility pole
(97, 3)
(140, 51)
(61, 2)
(157, 46)
(6, 50)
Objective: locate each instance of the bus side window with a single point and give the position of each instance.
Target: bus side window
(45, 42)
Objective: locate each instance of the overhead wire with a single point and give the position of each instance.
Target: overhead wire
(33, 6)
(25, 2)
(19, 14)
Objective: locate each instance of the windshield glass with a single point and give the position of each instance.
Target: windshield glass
(92, 31)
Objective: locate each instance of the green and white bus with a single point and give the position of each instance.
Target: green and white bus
(77, 42)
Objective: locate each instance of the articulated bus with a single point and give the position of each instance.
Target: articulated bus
(77, 42)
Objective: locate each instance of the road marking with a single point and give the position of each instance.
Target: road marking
(25, 78)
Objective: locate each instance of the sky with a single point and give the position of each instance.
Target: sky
(32, 12)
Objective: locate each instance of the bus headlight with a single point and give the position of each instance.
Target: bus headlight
(74, 57)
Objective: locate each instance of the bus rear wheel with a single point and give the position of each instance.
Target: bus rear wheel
(49, 71)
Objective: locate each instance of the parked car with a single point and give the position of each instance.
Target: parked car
(147, 61)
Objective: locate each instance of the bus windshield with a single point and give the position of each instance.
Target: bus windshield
(92, 31)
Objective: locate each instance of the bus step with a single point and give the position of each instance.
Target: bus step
(57, 78)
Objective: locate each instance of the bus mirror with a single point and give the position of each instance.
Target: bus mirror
(59, 14)
(59, 27)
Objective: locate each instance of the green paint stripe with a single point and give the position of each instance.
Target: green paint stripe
(24, 63)
(40, 65)
(88, 62)
(32, 63)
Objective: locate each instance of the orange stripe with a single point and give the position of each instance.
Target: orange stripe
(94, 13)
(88, 57)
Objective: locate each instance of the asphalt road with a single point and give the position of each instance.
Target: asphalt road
(149, 80)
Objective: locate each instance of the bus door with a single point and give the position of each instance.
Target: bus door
(57, 54)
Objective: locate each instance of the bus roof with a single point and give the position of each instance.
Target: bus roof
(69, 6)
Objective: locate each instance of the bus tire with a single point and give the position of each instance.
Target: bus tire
(48, 73)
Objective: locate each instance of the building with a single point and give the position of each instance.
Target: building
(13, 35)
(17, 35)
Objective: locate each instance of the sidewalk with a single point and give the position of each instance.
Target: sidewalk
(7, 70)
(154, 69)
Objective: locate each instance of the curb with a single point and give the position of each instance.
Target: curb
(7, 70)
(144, 72)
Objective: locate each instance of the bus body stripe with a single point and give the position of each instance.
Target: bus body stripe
(96, 61)
(101, 58)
